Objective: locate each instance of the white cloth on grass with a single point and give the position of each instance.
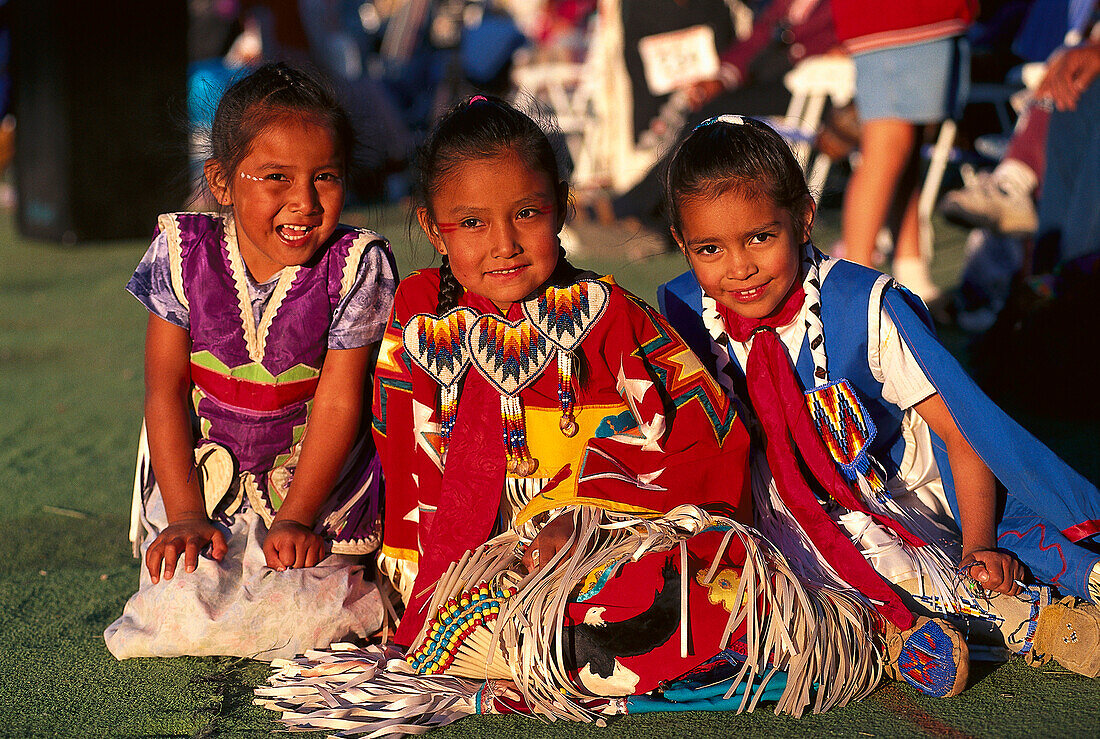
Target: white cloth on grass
(240, 606)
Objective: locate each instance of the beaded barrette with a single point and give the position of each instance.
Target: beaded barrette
(565, 315)
(732, 120)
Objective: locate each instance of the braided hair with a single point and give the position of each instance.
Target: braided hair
(275, 92)
(484, 127)
(450, 290)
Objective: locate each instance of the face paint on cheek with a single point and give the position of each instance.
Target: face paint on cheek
(251, 177)
(448, 228)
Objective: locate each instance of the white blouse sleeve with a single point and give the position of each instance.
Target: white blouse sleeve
(892, 363)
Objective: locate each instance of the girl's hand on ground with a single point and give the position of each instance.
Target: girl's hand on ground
(995, 570)
(292, 545)
(548, 543)
(187, 537)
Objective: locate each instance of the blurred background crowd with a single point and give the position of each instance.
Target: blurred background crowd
(100, 104)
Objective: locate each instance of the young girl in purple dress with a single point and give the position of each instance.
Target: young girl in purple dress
(258, 489)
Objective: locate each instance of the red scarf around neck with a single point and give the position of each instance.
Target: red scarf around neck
(779, 403)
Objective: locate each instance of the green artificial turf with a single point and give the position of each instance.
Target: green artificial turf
(70, 409)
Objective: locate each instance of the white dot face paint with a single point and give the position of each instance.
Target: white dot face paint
(286, 195)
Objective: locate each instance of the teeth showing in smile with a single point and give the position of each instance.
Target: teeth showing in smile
(511, 271)
(293, 233)
(751, 294)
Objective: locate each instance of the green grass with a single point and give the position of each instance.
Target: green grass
(70, 409)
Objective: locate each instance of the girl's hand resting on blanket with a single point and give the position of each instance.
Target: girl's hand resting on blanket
(548, 542)
(291, 545)
(996, 570)
(187, 537)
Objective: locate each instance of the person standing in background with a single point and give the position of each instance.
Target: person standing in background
(912, 68)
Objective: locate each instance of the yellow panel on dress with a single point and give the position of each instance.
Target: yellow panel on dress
(552, 448)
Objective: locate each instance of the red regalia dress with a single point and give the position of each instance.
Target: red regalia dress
(580, 402)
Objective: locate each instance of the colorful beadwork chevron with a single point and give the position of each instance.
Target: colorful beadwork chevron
(453, 625)
(847, 430)
(565, 315)
(438, 346)
(509, 355)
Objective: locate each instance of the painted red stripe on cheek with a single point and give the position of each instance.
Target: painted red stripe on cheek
(448, 227)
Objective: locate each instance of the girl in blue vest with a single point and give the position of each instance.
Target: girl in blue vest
(865, 416)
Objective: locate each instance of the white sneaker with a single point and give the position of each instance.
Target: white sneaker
(914, 274)
(983, 203)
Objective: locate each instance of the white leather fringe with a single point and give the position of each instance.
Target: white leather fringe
(820, 636)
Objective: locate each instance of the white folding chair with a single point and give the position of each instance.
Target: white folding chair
(814, 82)
(930, 190)
(560, 86)
(577, 95)
(818, 80)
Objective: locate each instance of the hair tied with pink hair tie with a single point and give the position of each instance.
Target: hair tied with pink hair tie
(477, 99)
(733, 120)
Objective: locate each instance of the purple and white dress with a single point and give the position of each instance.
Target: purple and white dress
(256, 356)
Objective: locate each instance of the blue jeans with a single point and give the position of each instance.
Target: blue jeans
(1069, 207)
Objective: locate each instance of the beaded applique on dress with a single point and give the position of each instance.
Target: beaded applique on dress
(510, 355)
(847, 430)
(438, 346)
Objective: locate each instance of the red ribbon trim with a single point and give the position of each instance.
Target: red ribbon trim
(251, 395)
(1082, 530)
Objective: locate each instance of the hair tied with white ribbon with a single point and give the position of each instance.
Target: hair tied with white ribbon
(733, 120)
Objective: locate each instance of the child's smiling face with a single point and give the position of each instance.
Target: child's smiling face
(743, 248)
(286, 195)
(497, 221)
